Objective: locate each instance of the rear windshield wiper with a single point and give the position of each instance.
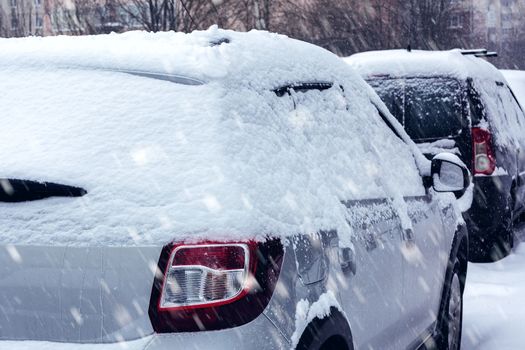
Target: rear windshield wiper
(16, 190)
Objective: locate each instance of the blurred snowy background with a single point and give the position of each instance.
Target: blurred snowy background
(342, 26)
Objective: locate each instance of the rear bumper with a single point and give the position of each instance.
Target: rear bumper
(139, 344)
(258, 334)
(489, 214)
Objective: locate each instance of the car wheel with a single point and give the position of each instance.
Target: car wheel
(452, 314)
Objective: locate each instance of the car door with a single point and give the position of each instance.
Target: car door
(372, 291)
(425, 253)
(384, 246)
(425, 246)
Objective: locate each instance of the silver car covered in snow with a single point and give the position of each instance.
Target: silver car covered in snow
(217, 190)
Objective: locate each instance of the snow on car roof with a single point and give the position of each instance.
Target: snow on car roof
(202, 55)
(162, 160)
(403, 63)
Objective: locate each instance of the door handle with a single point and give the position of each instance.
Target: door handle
(409, 237)
(347, 259)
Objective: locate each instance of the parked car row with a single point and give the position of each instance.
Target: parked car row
(223, 190)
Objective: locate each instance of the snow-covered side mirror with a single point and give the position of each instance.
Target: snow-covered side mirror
(449, 174)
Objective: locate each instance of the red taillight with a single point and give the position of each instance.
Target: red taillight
(484, 158)
(213, 256)
(206, 275)
(213, 285)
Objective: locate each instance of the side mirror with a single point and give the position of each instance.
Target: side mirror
(449, 174)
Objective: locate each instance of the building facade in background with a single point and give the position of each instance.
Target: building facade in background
(498, 22)
(22, 17)
(70, 17)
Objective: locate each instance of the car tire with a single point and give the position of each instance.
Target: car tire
(329, 333)
(451, 317)
(496, 247)
(504, 243)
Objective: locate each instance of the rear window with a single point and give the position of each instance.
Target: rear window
(428, 108)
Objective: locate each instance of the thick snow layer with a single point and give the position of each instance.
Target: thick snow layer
(256, 59)
(439, 146)
(418, 63)
(516, 80)
(160, 161)
(494, 304)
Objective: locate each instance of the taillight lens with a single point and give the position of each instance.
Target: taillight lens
(484, 159)
(213, 285)
(199, 275)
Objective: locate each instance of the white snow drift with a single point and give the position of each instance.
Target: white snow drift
(494, 304)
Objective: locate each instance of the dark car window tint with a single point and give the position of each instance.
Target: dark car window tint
(429, 108)
(392, 92)
(476, 108)
(517, 107)
(507, 103)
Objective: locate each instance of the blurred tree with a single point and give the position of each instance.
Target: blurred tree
(19, 21)
(342, 26)
(3, 23)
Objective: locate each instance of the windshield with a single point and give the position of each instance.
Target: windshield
(429, 108)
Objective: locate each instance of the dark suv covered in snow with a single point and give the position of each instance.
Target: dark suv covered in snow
(454, 101)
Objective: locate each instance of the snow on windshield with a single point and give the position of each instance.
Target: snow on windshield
(163, 161)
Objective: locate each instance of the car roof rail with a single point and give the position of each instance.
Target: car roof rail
(479, 53)
(474, 52)
(488, 54)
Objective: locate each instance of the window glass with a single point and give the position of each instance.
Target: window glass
(429, 108)
(517, 107)
(392, 92)
(513, 113)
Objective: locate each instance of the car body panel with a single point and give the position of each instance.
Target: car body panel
(377, 285)
(76, 294)
(393, 276)
(139, 344)
(425, 257)
(258, 334)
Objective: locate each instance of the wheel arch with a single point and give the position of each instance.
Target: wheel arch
(339, 332)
